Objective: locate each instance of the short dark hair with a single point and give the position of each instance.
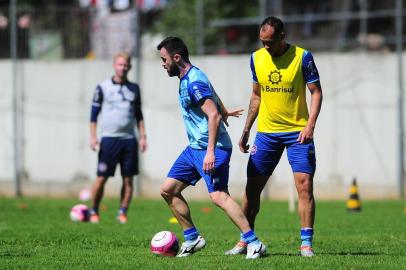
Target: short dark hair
(276, 23)
(175, 45)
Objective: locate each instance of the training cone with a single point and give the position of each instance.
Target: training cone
(173, 220)
(353, 203)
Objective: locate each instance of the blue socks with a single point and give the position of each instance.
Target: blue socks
(249, 237)
(306, 234)
(190, 234)
(123, 210)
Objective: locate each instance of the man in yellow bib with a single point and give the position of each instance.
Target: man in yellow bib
(280, 73)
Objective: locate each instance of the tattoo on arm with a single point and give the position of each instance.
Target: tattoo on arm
(253, 107)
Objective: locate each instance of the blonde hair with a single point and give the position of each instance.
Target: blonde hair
(124, 55)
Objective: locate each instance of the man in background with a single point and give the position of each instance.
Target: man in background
(118, 101)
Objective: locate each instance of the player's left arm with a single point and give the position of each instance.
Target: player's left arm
(312, 78)
(142, 137)
(226, 113)
(306, 135)
(213, 118)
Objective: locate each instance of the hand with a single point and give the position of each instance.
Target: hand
(306, 135)
(243, 142)
(142, 143)
(234, 113)
(208, 162)
(94, 144)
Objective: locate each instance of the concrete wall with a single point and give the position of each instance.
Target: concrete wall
(356, 135)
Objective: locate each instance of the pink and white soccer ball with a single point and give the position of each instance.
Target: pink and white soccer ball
(79, 212)
(165, 243)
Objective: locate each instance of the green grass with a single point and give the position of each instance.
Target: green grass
(37, 234)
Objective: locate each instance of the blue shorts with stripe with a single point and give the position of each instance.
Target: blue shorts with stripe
(268, 148)
(115, 151)
(188, 168)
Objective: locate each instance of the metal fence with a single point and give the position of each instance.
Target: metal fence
(64, 32)
(327, 25)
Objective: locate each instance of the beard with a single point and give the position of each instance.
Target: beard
(173, 70)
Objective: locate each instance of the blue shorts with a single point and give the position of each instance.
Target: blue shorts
(268, 148)
(118, 150)
(188, 168)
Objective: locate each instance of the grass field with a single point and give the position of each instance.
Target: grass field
(37, 234)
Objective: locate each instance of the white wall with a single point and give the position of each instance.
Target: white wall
(356, 135)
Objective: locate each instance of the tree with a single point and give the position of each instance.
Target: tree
(180, 19)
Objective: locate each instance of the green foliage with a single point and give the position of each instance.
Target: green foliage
(180, 19)
(38, 234)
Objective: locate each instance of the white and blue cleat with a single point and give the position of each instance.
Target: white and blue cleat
(190, 247)
(255, 250)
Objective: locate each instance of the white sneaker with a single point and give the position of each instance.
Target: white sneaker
(306, 251)
(188, 248)
(255, 250)
(239, 248)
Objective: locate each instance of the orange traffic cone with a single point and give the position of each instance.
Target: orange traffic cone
(353, 203)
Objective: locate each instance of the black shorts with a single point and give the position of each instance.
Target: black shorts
(118, 150)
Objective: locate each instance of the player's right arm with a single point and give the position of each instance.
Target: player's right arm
(94, 142)
(253, 109)
(96, 108)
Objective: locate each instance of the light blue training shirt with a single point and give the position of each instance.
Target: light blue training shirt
(194, 88)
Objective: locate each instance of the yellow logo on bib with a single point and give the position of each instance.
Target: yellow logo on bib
(275, 77)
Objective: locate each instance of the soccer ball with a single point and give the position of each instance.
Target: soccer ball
(165, 243)
(79, 212)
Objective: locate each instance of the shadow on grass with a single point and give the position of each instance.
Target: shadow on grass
(14, 254)
(352, 253)
(330, 253)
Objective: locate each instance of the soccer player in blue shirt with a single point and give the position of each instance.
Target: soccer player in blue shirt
(208, 154)
(118, 102)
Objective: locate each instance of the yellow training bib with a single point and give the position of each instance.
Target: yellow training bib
(283, 91)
